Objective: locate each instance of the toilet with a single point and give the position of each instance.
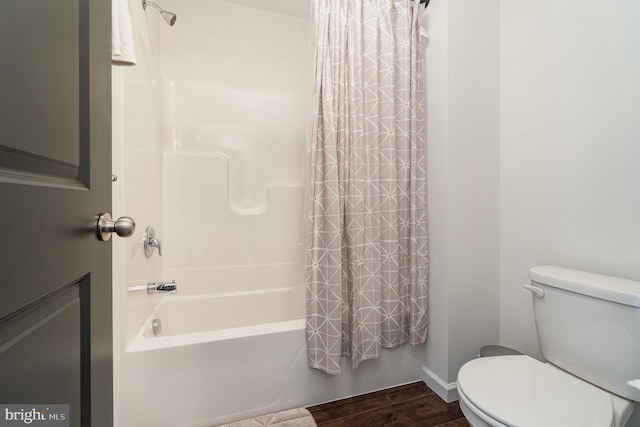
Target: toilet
(589, 332)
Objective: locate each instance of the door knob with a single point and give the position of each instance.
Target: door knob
(123, 227)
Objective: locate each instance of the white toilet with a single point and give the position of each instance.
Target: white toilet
(589, 330)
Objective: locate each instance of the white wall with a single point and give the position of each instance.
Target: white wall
(435, 63)
(533, 152)
(569, 126)
(473, 178)
(463, 142)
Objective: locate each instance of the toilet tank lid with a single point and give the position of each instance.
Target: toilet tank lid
(615, 289)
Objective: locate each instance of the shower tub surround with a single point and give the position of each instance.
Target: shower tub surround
(228, 117)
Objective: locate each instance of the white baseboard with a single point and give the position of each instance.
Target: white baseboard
(447, 391)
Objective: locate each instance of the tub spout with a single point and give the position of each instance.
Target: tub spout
(162, 287)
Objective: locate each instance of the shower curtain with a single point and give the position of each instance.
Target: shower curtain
(367, 255)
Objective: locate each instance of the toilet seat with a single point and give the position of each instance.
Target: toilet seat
(521, 391)
(475, 416)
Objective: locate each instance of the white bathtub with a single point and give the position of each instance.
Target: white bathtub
(210, 366)
(211, 317)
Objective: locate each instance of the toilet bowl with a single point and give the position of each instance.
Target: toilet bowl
(505, 391)
(588, 328)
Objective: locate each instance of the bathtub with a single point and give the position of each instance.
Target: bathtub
(212, 317)
(218, 359)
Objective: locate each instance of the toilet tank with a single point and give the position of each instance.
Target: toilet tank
(589, 325)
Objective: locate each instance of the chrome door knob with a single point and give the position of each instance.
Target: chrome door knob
(123, 226)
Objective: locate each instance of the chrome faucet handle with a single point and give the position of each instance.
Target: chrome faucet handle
(155, 243)
(149, 242)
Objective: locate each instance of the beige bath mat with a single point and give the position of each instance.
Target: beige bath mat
(299, 417)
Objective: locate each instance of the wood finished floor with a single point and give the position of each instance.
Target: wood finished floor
(412, 404)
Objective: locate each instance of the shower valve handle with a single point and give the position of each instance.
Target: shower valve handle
(155, 243)
(150, 241)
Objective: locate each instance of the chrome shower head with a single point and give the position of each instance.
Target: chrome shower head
(169, 17)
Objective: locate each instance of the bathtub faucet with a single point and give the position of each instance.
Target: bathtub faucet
(162, 287)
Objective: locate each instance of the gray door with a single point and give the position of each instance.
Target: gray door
(55, 160)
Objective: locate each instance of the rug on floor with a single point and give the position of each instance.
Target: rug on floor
(299, 417)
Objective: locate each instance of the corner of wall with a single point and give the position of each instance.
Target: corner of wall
(435, 63)
(463, 91)
(446, 391)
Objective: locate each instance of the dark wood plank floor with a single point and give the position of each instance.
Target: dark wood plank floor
(412, 404)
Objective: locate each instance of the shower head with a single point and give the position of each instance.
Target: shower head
(167, 16)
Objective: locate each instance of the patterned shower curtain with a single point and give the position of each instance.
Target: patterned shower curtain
(367, 256)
